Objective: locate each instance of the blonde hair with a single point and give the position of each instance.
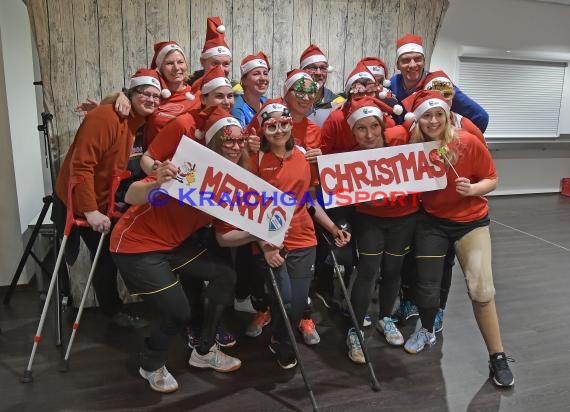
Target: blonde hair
(449, 135)
(217, 142)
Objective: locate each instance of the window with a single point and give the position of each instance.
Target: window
(522, 97)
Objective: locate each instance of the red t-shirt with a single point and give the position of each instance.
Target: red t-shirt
(336, 136)
(462, 122)
(394, 205)
(147, 228)
(166, 141)
(167, 110)
(473, 162)
(308, 135)
(290, 175)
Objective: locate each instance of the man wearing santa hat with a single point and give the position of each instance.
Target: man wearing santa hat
(411, 63)
(215, 52)
(314, 62)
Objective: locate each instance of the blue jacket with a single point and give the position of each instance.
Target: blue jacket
(462, 103)
(243, 112)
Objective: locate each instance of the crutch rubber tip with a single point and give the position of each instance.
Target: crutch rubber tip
(64, 365)
(375, 386)
(27, 377)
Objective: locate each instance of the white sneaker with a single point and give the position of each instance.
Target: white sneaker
(390, 331)
(244, 305)
(215, 359)
(160, 380)
(354, 349)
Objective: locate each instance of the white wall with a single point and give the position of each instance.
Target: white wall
(21, 159)
(528, 29)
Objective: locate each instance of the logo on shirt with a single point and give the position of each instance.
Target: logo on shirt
(186, 172)
(276, 218)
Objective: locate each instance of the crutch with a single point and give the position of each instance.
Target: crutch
(118, 176)
(70, 221)
(292, 338)
(373, 381)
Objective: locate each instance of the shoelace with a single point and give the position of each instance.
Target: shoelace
(354, 340)
(389, 326)
(502, 362)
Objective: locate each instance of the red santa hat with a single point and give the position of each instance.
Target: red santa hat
(434, 79)
(215, 44)
(253, 61)
(377, 67)
(313, 54)
(161, 50)
(365, 107)
(360, 72)
(420, 102)
(145, 77)
(214, 78)
(409, 43)
(293, 76)
(217, 118)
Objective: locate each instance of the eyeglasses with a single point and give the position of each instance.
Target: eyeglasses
(272, 126)
(314, 69)
(300, 91)
(359, 90)
(230, 142)
(148, 95)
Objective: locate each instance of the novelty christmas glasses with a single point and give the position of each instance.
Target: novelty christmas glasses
(272, 126)
(300, 91)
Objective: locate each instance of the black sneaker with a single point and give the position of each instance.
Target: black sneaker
(283, 353)
(499, 370)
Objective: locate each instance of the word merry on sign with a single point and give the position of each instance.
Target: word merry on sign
(200, 170)
(408, 169)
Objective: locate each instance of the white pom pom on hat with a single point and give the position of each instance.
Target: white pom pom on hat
(409, 116)
(189, 96)
(165, 93)
(398, 110)
(198, 134)
(330, 69)
(386, 83)
(383, 94)
(221, 28)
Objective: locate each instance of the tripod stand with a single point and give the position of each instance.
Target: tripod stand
(48, 201)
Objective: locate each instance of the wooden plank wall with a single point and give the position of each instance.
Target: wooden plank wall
(90, 48)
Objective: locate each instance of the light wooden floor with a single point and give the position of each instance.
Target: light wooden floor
(531, 246)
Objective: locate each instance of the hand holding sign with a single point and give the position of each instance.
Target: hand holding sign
(312, 154)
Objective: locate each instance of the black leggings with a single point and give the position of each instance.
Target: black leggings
(293, 280)
(164, 279)
(382, 243)
(433, 239)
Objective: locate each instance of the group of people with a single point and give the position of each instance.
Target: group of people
(177, 258)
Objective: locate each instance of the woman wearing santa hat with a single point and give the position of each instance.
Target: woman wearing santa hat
(215, 91)
(157, 256)
(299, 91)
(384, 230)
(255, 82)
(284, 165)
(170, 62)
(103, 144)
(336, 134)
(439, 81)
(459, 215)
